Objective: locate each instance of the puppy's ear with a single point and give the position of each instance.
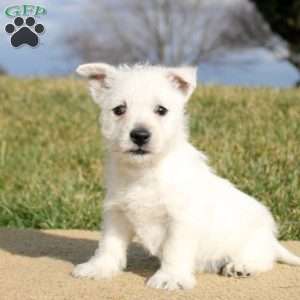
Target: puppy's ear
(184, 79)
(99, 75)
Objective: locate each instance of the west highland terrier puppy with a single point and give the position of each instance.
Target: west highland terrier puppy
(161, 190)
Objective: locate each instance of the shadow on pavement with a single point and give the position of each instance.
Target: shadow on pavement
(35, 243)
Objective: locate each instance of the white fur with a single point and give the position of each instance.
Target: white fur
(170, 199)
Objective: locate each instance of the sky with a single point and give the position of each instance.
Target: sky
(256, 67)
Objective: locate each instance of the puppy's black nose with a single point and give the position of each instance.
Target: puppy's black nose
(140, 136)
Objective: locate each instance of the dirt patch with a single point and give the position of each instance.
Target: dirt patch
(36, 265)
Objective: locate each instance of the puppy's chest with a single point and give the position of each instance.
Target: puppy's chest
(144, 204)
(145, 208)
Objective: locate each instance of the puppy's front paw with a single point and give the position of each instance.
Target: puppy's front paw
(96, 269)
(167, 281)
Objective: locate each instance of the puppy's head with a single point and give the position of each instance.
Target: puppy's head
(142, 107)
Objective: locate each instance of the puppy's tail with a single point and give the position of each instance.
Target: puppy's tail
(284, 256)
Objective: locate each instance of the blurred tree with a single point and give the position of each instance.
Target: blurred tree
(2, 71)
(284, 19)
(167, 32)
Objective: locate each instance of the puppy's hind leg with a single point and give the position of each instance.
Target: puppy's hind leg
(256, 256)
(235, 269)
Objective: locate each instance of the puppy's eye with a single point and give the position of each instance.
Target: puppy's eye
(119, 110)
(160, 110)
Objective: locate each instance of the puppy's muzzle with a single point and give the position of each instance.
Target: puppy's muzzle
(140, 136)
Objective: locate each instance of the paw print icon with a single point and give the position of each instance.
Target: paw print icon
(24, 32)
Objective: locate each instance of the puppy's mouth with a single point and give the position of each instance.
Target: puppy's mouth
(139, 151)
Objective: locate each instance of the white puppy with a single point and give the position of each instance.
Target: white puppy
(161, 190)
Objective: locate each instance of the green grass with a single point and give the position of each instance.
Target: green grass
(50, 150)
